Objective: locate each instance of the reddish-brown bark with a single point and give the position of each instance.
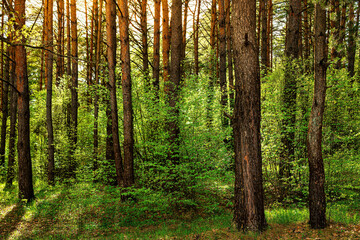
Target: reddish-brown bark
(26, 190)
(165, 40)
(249, 194)
(156, 71)
(222, 54)
(127, 99)
(49, 79)
(111, 56)
(317, 199)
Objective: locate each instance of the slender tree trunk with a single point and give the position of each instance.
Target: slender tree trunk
(13, 118)
(26, 190)
(317, 199)
(49, 76)
(351, 41)
(165, 41)
(196, 37)
(111, 56)
(342, 34)
(5, 103)
(222, 52)
(249, 203)
(229, 52)
(42, 59)
(68, 36)
(307, 40)
(175, 78)
(264, 35)
(60, 42)
(127, 99)
(289, 94)
(144, 37)
(213, 63)
(184, 26)
(13, 113)
(74, 86)
(335, 29)
(98, 14)
(269, 35)
(156, 72)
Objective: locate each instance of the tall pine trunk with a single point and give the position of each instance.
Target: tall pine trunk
(74, 87)
(317, 199)
(222, 64)
(175, 78)
(166, 34)
(289, 95)
(26, 190)
(156, 71)
(49, 79)
(249, 194)
(127, 98)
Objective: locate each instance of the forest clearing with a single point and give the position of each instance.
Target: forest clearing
(181, 119)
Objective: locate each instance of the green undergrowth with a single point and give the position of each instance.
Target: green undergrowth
(88, 210)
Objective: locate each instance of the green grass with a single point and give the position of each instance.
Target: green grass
(87, 210)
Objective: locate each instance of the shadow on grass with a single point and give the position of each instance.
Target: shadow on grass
(11, 220)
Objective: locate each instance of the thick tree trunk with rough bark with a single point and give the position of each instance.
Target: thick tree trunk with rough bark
(317, 199)
(249, 202)
(127, 98)
(26, 190)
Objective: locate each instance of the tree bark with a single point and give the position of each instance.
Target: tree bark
(60, 41)
(175, 78)
(98, 14)
(144, 37)
(5, 106)
(166, 35)
(351, 41)
(196, 37)
(222, 53)
(229, 52)
(156, 71)
(289, 94)
(74, 86)
(249, 203)
(335, 31)
(127, 99)
(26, 190)
(317, 199)
(68, 36)
(264, 36)
(49, 79)
(13, 115)
(111, 56)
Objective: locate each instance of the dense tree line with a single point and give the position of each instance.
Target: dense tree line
(227, 49)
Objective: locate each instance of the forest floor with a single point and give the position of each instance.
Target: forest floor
(88, 211)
